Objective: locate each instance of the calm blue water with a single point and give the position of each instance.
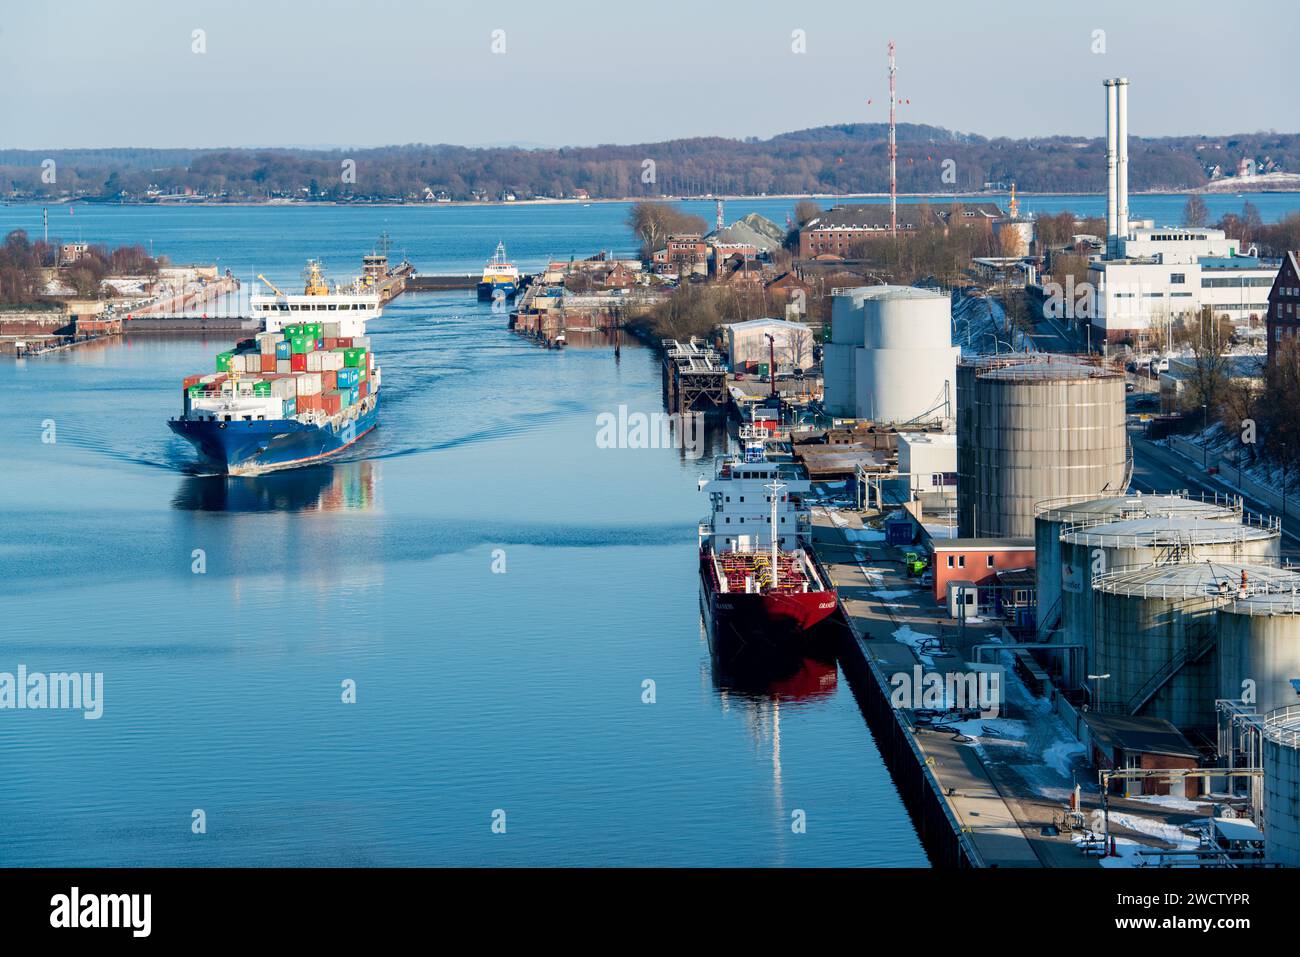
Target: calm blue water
(276, 239)
(476, 691)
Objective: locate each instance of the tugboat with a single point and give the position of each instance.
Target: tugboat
(500, 277)
(758, 582)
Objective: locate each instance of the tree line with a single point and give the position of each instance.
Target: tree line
(851, 158)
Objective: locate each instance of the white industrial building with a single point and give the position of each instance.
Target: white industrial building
(891, 357)
(928, 460)
(792, 342)
(1152, 275)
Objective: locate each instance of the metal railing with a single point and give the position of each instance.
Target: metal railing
(1283, 726)
(1185, 655)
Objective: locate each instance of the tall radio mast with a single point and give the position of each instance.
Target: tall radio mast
(893, 148)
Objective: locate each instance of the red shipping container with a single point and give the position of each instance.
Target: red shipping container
(190, 380)
(330, 402)
(298, 362)
(344, 343)
(329, 380)
(364, 389)
(331, 344)
(268, 363)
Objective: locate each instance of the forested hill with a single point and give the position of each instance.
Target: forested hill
(850, 158)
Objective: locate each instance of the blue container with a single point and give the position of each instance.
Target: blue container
(282, 349)
(348, 378)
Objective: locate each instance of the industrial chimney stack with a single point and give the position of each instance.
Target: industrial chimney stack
(1116, 164)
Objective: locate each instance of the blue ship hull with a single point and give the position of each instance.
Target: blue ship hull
(248, 448)
(487, 291)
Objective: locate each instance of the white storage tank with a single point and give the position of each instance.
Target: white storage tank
(1259, 643)
(1138, 543)
(1052, 517)
(1157, 631)
(903, 366)
(1282, 787)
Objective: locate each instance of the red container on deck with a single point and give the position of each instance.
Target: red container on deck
(329, 379)
(364, 388)
(190, 380)
(344, 342)
(298, 362)
(331, 345)
(331, 402)
(268, 363)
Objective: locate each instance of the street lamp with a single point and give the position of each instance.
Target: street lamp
(1097, 680)
(1205, 436)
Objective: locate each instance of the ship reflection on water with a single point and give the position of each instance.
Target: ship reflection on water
(744, 666)
(323, 488)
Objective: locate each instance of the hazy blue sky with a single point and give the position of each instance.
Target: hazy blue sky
(83, 73)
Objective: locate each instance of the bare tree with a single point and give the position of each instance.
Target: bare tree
(1195, 213)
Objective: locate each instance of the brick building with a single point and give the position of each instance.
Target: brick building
(1284, 304)
(838, 229)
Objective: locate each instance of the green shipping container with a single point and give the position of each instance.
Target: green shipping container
(261, 388)
(299, 345)
(223, 361)
(762, 368)
(354, 358)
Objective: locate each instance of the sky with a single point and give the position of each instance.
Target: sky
(340, 73)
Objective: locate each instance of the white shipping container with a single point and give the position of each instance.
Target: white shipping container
(308, 383)
(237, 363)
(283, 366)
(361, 342)
(324, 361)
(329, 330)
(266, 342)
(284, 388)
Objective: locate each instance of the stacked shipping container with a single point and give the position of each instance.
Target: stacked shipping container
(306, 367)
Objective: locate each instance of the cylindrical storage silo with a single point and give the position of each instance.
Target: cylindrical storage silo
(1282, 787)
(1155, 634)
(837, 379)
(906, 370)
(1030, 428)
(1259, 644)
(1093, 550)
(1054, 516)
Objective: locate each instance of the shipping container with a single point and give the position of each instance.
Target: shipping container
(308, 383)
(223, 361)
(268, 362)
(284, 366)
(298, 362)
(331, 402)
(283, 349)
(329, 380)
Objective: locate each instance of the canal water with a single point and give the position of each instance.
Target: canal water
(516, 607)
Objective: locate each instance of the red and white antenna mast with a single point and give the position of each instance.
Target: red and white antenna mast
(893, 147)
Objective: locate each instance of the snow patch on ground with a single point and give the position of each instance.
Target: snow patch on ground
(1061, 755)
(917, 641)
(1171, 801)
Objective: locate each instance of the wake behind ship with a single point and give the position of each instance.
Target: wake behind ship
(301, 391)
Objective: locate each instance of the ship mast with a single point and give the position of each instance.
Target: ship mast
(776, 486)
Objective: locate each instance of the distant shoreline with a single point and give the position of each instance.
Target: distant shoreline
(1207, 190)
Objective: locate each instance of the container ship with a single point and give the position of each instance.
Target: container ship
(758, 583)
(300, 391)
(500, 277)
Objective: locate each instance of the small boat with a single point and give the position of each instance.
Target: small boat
(500, 277)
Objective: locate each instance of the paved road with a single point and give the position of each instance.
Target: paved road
(1157, 469)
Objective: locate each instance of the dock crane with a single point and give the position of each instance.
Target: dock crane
(271, 285)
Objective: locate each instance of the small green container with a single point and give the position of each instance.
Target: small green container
(223, 361)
